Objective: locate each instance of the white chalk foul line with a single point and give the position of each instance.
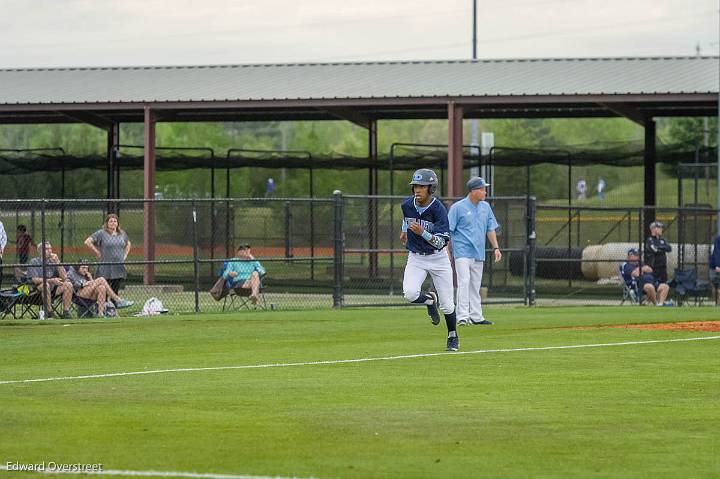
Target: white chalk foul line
(357, 360)
(118, 472)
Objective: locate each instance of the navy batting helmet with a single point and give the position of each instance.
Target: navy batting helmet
(425, 176)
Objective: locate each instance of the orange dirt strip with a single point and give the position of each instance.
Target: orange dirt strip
(687, 326)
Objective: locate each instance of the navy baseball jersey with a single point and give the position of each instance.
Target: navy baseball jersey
(432, 217)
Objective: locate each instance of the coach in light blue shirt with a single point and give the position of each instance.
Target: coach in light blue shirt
(471, 220)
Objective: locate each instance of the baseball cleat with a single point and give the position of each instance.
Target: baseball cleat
(433, 309)
(462, 322)
(453, 344)
(484, 321)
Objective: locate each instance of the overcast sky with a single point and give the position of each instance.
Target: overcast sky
(47, 33)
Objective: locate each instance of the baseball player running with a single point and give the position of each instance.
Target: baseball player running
(471, 220)
(425, 234)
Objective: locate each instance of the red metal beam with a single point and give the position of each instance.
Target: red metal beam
(373, 204)
(455, 150)
(149, 194)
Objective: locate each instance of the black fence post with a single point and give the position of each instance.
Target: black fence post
(196, 259)
(62, 231)
(339, 246)
(641, 223)
(288, 232)
(229, 229)
(531, 241)
(46, 307)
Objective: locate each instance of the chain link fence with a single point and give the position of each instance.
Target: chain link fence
(374, 257)
(580, 249)
(345, 250)
(193, 240)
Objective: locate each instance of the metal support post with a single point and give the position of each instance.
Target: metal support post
(196, 259)
(47, 308)
(149, 195)
(339, 247)
(531, 242)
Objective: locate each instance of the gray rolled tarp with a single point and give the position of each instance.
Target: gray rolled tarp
(552, 262)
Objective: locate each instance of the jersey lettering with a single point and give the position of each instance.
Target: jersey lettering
(428, 225)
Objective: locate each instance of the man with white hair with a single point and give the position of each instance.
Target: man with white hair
(55, 276)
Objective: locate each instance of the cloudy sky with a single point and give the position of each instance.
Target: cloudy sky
(46, 33)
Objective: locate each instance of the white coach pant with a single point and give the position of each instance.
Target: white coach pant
(438, 265)
(469, 279)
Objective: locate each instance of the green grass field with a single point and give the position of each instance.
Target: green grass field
(633, 410)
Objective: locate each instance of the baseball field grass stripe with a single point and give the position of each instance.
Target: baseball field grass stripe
(355, 360)
(194, 475)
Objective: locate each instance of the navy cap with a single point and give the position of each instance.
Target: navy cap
(634, 252)
(476, 182)
(657, 224)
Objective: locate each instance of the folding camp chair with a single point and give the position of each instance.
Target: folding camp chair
(239, 298)
(687, 285)
(86, 308)
(631, 292)
(29, 301)
(22, 300)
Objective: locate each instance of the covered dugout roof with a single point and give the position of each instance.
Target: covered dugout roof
(579, 87)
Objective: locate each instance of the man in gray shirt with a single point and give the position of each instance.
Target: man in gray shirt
(56, 278)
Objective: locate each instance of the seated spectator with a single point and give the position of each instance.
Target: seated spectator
(244, 271)
(715, 267)
(95, 289)
(643, 278)
(56, 278)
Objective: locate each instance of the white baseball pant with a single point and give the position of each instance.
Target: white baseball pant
(469, 279)
(438, 265)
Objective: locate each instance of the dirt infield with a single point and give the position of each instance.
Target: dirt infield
(685, 326)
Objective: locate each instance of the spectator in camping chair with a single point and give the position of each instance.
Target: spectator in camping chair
(56, 278)
(687, 285)
(91, 294)
(631, 291)
(642, 281)
(243, 276)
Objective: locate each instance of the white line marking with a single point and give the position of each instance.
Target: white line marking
(198, 475)
(347, 361)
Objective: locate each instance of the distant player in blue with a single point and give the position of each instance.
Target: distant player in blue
(471, 221)
(269, 188)
(425, 234)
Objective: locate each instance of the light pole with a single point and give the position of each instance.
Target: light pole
(474, 170)
(474, 30)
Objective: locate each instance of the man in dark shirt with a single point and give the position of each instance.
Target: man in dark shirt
(656, 249)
